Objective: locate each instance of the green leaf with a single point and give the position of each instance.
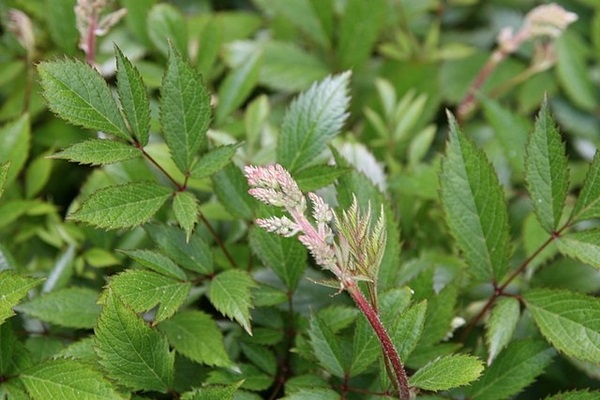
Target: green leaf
(156, 262)
(13, 288)
(365, 347)
(312, 394)
(313, 178)
(285, 256)
(133, 354)
(312, 120)
(144, 290)
(133, 97)
(588, 202)
(184, 111)
(237, 86)
(186, 210)
(326, 346)
(14, 146)
(212, 393)
(78, 94)
(137, 14)
(475, 207)
(546, 171)
(576, 395)
(447, 372)
(230, 294)
(67, 380)
(569, 320)
(232, 190)
(407, 328)
(193, 254)
(98, 152)
(214, 161)
(197, 336)
(122, 206)
(583, 246)
(260, 356)
(514, 368)
(359, 28)
(211, 41)
(4, 168)
(166, 27)
(73, 307)
(37, 175)
(61, 24)
(440, 312)
(501, 325)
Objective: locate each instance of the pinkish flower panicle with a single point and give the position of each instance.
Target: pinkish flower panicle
(549, 20)
(322, 213)
(275, 186)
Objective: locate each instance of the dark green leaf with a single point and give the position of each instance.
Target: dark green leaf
(60, 17)
(4, 168)
(133, 354)
(98, 152)
(230, 294)
(365, 346)
(72, 307)
(196, 335)
(214, 160)
(14, 146)
(237, 86)
(184, 110)
(156, 262)
(312, 120)
(313, 178)
(78, 93)
(570, 321)
(359, 28)
(186, 210)
(588, 202)
(13, 288)
(447, 372)
(122, 206)
(475, 207)
(326, 346)
(133, 97)
(501, 325)
(407, 328)
(232, 190)
(546, 171)
(515, 368)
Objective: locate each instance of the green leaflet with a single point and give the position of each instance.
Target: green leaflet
(98, 152)
(211, 41)
(133, 97)
(313, 178)
(144, 290)
(4, 168)
(71, 307)
(576, 395)
(447, 372)
(588, 202)
(285, 256)
(197, 336)
(157, 262)
(186, 210)
(546, 171)
(67, 380)
(14, 146)
(133, 354)
(13, 288)
(407, 328)
(214, 160)
(326, 346)
(475, 207)
(359, 29)
(365, 347)
(312, 120)
(37, 175)
(230, 294)
(501, 325)
(569, 320)
(79, 94)
(440, 312)
(122, 206)
(184, 111)
(514, 368)
(261, 356)
(166, 27)
(583, 246)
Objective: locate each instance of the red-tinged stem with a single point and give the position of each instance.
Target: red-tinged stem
(90, 54)
(390, 352)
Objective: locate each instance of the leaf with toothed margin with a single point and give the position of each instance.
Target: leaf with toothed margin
(98, 152)
(230, 293)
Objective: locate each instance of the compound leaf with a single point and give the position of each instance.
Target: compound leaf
(475, 207)
(230, 294)
(98, 152)
(13, 288)
(447, 372)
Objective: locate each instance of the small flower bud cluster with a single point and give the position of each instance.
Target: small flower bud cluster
(20, 25)
(275, 186)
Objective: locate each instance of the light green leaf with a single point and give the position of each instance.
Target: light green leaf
(359, 28)
(230, 294)
(212, 392)
(236, 87)
(326, 346)
(165, 24)
(214, 161)
(312, 120)
(122, 206)
(67, 380)
(546, 171)
(133, 354)
(15, 140)
(197, 336)
(285, 256)
(13, 288)
(98, 152)
(186, 210)
(232, 190)
(184, 111)
(193, 254)
(313, 178)
(588, 202)
(37, 175)
(156, 262)
(211, 40)
(447, 372)
(583, 246)
(133, 97)
(569, 320)
(514, 368)
(73, 307)
(576, 395)
(144, 290)
(475, 207)
(4, 168)
(501, 325)
(78, 94)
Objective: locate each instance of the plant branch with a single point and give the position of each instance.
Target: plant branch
(151, 159)
(218, 240)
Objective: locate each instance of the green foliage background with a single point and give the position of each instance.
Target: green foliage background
(130, 266)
